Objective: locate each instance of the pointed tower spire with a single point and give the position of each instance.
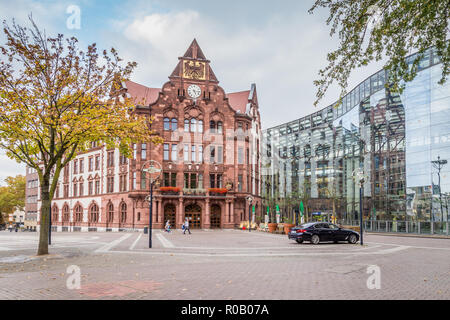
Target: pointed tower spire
(194, 52)
(194, 65)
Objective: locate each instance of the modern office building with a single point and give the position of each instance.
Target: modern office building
(209, 159)
(396, 139)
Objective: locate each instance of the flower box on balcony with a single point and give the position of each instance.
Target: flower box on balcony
(220, 191)
(170, 189)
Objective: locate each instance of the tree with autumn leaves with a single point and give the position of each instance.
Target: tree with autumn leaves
(56, 99)
(12, 196)
(370, 30)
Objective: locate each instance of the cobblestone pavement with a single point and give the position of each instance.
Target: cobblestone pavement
(222, 264)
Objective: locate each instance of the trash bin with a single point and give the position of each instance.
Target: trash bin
(145, 230)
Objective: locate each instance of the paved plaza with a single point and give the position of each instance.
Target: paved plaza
(222, 264)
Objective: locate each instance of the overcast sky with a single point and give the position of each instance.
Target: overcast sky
(276, 44)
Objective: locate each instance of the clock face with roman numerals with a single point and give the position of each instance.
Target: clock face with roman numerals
(194, 91)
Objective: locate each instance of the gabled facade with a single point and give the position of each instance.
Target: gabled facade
(209, 158)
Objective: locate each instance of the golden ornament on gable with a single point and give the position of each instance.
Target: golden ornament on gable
(194, 70)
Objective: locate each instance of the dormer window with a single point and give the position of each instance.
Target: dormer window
(212, 126)
(166, 124)
(174, 124)
(193, 125)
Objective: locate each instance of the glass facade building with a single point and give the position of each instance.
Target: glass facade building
(392, 137)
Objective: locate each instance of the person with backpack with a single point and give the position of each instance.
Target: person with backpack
(167, 226)
(186, 226)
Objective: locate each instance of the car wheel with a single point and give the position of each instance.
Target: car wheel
(352, 239)
(315, 239)
(299, 240)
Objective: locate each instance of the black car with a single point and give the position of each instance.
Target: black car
(316, 232)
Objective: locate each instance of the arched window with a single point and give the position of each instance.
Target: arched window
(174, 124)
(66, 215)
(212, 126)
(78, 213)
(55, 213)
(123, 212)
(166, 124)
(200, 126)
(219, 127)
(193, 125)
(110, 212)
(186, 125)
(93, 216)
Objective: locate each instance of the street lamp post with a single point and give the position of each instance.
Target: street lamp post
(249, 200)
(153, 168)
(439, 164)
(358, 176)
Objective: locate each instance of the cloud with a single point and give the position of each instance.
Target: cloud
(281, 55)
(48, 16)
(279, 47)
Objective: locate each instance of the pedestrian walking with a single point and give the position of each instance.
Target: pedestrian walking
(186, 226)
(167, 226)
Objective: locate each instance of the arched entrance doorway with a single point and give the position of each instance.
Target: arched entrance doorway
(169, 214)
(194, 214)
(216, 213)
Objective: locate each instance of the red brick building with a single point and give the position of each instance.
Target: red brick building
(209, 159)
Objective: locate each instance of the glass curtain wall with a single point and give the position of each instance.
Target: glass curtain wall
(393, 137)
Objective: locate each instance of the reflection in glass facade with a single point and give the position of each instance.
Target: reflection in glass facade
(393, 137)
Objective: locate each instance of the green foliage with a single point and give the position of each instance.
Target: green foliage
(371, 30)
(287, 220)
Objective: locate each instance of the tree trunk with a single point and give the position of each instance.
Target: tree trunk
(45, 218)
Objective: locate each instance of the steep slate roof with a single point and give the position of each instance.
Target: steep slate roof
(194, 47)
(142, 95)
(239, 100)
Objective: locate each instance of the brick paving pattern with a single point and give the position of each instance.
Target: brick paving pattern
(224, 264)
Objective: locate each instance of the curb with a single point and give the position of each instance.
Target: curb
(407, 235)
